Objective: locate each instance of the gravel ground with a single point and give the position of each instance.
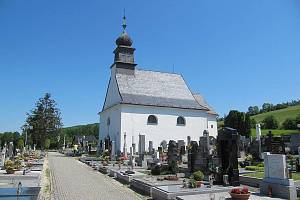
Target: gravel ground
(73, 180)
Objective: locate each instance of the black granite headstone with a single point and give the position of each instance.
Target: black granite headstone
(228, 140)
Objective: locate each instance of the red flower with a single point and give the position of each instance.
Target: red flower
(236, 191)
(245, 190)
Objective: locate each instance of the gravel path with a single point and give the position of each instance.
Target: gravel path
(72, 180)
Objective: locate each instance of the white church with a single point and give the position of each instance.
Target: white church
(156, 104)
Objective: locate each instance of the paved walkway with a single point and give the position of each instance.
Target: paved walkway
(72, 180)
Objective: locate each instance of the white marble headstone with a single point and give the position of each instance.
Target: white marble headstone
(258, 132)
(275, 166)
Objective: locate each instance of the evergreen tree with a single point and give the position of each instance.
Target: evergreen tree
(43, 122)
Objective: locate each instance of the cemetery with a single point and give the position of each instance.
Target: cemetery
(211, 168)
(20, 172)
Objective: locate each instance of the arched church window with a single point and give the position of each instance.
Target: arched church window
(180, 121)
(152, 119)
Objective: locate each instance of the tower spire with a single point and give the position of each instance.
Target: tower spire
(124, 22)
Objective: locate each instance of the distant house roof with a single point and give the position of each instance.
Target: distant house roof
(153, 88)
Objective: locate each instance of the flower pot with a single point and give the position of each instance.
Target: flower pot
(198, 184)
(235, 196)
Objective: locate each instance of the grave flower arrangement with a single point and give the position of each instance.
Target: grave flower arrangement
(9, 167)
(196, 179)
(240, 194)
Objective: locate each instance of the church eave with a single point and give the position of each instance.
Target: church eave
(161, 106)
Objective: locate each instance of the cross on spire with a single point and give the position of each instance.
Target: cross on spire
(124, 21)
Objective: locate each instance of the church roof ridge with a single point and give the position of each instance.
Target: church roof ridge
(158, 71)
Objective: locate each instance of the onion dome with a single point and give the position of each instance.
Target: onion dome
(124, 40)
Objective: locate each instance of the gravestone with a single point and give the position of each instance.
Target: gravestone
(131, 162)
(181, 147)
(200, 157)
(188, 140)
(101, 146)
(125, 146)
(276, 181)
(228, 140)
(134, 148)
(141, 149)
(141, 144)
(258, 134)
(10, 151)
(150, 147)
(156, 155)
(113, 150)
(164, 145)
(172, 152)
(274, 144)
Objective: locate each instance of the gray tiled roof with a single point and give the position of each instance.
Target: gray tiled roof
(199, 98)
(156, 89)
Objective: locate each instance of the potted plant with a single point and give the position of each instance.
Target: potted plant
(198, 176)
(240, 194)
(192, 182)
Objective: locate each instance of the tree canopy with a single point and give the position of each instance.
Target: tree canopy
(270, 122)
(43, 122)
(240, 121)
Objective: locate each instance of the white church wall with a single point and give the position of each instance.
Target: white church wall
(134, 122)
(212, 125)
(114, 128)
(113, 96)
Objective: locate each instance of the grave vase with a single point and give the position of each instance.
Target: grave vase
(199, 183)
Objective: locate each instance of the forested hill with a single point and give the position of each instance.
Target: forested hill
(88, 129)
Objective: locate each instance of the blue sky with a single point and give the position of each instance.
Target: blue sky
(236, 53)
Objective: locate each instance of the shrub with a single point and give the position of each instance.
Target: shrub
(289, 124)
(198, 175)
(173, 168)
(8, 163)
(9, 167)
(250, 168)
(155, 170)
(47, 143)
(260, 165)
(270, 122)
(255, 168)
(192, 183)
(18, 164)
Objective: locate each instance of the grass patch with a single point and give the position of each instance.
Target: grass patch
(254, 168)
(47, 173)
(295, 175)
(280, 115)
(275, 132)
(256, 174)
(47, 188)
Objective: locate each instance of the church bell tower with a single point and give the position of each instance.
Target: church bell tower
(124, 53)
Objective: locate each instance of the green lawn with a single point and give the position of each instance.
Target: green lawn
(295, 175)
(275, 132)
(280, 115)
